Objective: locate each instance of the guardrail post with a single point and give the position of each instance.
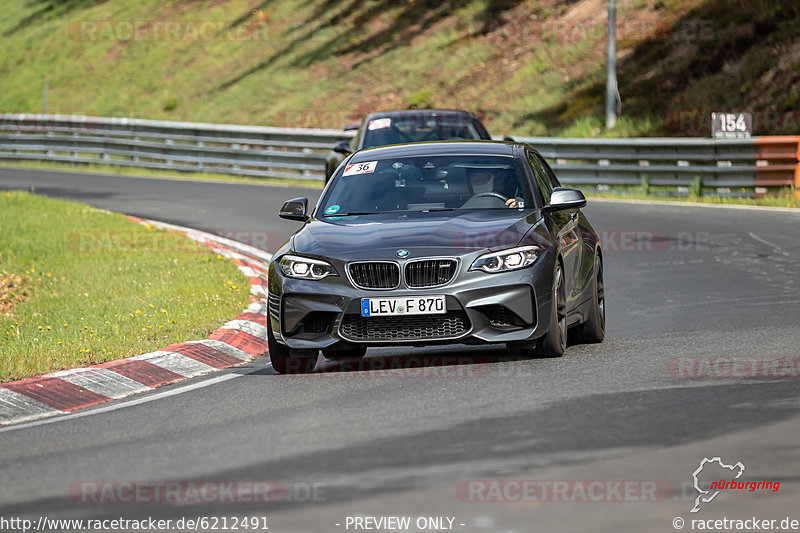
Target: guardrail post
(50, 134)
(167, 158)
(797, 173)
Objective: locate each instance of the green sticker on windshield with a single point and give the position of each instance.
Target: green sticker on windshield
(332, 209)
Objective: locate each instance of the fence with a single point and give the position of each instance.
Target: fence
(756, 164)
(184, 146)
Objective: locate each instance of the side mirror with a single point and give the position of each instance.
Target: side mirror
(508, 138)
(351, 127)
(342, 147)
(564, 198)
(295, 210)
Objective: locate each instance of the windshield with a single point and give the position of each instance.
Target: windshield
(431, 183)
(418, 128)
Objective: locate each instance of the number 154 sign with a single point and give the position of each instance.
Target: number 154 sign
(731, 125)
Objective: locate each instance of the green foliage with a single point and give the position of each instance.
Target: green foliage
(99, 286)
(696, 188)
(525, 67)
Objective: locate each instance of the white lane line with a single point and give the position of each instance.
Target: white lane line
(764, 241)
(139, 401)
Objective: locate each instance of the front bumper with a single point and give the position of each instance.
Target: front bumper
(481, 309)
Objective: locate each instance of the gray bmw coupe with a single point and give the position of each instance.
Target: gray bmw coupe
(432, 243)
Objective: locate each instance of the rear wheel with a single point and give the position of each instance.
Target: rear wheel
(283, 362)
(554, 343)
(594, 329)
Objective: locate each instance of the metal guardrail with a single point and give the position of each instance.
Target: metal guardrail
(756, 163)
(281, 153)
(753, 164)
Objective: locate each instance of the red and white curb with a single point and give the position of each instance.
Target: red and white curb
(235, 343)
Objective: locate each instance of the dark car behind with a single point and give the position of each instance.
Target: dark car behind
(407, 126)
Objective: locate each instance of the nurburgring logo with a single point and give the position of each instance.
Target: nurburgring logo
(708, 491)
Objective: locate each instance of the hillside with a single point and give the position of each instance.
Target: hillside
(529, 68)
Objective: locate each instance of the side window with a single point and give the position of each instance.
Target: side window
(542, 178)
(552, 175)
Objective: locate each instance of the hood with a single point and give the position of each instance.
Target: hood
(380, 236)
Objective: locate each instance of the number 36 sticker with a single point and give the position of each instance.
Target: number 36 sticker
(360, 168)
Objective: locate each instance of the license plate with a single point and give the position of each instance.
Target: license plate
(408, 305)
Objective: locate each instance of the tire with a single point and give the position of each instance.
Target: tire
(554, 343)
(347, 353)
(594, 329)
(283, 362)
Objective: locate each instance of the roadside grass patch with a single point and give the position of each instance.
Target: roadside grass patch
(12, 290)
(98, 286)
(782, 198)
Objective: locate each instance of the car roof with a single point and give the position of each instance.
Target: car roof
(419, 112)
(438, 148)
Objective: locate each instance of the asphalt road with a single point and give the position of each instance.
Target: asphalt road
(680, 282)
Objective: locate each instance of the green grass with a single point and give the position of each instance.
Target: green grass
(90, 297)
(324, 63)
(784, 198)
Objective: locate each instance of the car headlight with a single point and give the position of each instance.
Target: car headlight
(306, 268)
(512, 259)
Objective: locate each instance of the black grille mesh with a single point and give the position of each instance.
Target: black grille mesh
(274, 305)
(450, 325)
(375, 275)
(430, 272)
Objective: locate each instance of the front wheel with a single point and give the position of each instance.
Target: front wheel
(554, 343)
(283, 362)
(594, 329)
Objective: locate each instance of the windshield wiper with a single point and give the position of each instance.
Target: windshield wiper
(436, 210)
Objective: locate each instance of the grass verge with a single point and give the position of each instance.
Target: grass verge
(95, 286)
(784, 198)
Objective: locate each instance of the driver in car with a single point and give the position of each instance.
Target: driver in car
(482, 182)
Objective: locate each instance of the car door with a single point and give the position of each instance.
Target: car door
(564, 227)
(585, 247)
